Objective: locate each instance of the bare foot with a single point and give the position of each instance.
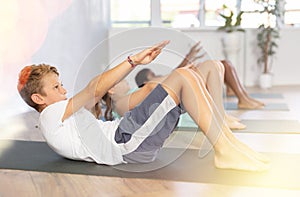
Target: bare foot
(249, 105)
(248, 98)
(237, 160)
(230, 155)
(231, 118)
(235, 125)
(230, 136)
(257, 101)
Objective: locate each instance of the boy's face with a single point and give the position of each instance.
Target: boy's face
(53, 89)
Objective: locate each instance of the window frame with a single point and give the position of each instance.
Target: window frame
(156, 20)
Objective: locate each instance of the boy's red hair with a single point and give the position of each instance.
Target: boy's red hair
(30, 82)
(23, 77)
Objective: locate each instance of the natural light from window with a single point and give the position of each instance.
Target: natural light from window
(195, 13)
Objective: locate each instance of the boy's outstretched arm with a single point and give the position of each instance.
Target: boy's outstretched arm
(98, 86)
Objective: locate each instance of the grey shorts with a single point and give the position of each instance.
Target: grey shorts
(143, 130)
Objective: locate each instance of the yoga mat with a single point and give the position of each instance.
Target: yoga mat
(272, 126)
(253, 126)
(284, 170)
(265, 95)
(267, 107)
(186, 123)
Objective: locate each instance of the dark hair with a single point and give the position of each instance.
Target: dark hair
(108, 111)
(141, 77)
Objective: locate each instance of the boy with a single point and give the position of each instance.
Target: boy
(73, 132)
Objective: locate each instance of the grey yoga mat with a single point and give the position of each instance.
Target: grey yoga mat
(284, 170)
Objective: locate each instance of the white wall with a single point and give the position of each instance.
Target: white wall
(68, 45)
(212, 42)
(71, 40)
(73, 34)
(285, 67)
(125, 42)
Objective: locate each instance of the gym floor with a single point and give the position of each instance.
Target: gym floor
(30, 183)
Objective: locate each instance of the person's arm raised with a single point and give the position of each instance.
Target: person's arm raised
(98, 86)
(191, 57)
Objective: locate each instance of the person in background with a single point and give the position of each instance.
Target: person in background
(231, 79)
(214, 73)
(210, 72)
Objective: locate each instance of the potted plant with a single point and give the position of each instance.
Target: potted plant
(231, 40)
(267, 37)
(231, 26)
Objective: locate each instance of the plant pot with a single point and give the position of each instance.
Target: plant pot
(265, 80)
(232, 41)
(232, 45)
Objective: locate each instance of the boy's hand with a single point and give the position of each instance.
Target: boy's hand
(148, 55)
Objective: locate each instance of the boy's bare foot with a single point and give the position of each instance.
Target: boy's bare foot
(233, 140)
(231, 155)
(237, 160)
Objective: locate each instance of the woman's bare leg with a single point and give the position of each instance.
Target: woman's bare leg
(232, 81)
(212, 72)
(229, 91)
(184, 87)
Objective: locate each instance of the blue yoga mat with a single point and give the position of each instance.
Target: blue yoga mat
(265, 95)
(267, 107)
(186, 123)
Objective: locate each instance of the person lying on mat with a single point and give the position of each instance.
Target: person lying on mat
(210, 72)
(72, 130)
(229, 76)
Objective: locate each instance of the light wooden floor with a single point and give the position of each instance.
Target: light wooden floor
(27, 183)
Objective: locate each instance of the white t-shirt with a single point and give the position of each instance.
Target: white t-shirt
(81, 136)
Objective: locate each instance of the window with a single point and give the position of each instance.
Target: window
(292, 13)
(195, 13)
(178, 13)
(251, 18)
(130, 13)
(214, 7)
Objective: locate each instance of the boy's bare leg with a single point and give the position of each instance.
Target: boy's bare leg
(183, 86)
(129, 101)
(212, 72)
